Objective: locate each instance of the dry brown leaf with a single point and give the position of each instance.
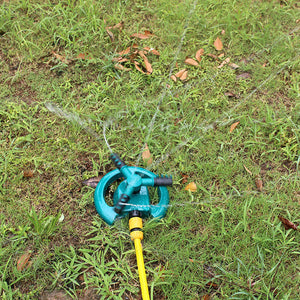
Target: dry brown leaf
(146, 35)
(155, 52)
(60, 57)
(136, 64)
(223, 32)
(28, 173)
(205, 297)
(213, 56)
(184, 178)
(117, 26)
(233, 126)
(212, 284)
(218, 44)
(146, 61)
(191, 187)
(248, 171)
(180, 73)
(147, 157)
(259, 184)
(110, 34)
(81, 56)
(184, 76)
(133, 55)
(92, 182)
(152, 51)
(287, 223)
(174, 78)
(234, 66)
(123, 60)
(243, 76)
(23, 261)
(225, 62)
(124, 52)
(117, 58)
(191, 62)
(199, 53)
(121, 67)
(221, 55)
(230, 94)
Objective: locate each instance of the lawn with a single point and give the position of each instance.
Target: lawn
(206, 91)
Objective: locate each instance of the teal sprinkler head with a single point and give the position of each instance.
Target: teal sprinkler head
(132, 193)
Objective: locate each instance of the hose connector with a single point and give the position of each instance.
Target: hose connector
(136, 225)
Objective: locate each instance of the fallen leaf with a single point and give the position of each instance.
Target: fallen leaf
(184, 76)
(123, 60)
(124, 52)
(92, 182)
(146, 61)
(248, 171)
(218, 44)
(225, 62)
(152, 51)
(191, 260)
(199, 53)
(213, 56)
(60, 57)
(191, 187)
(234, 66)
(110, 34)
(259, 184)
(147, 157)
(118, 26)
(28, 173)
(146, 35)
(223, 32)
(117, 58)
(229, 94)
(221, 55)
(191, 62)
(233, 126)
(81, 56)
(136, 64)
(205, 297)
(180, 73)
(243, 76)
(23, 261)
(184, 178)
(287, 223)
(212, 284)
(121, 67)
(174, 78)
(133, 55)
(147, 32)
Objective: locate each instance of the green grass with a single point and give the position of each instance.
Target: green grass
(224, 240)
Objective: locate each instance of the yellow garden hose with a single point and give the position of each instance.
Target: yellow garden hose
(135, 226)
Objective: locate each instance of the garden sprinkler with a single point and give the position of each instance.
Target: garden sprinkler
(132, 198)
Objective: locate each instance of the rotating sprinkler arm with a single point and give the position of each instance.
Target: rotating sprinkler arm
(134, 182)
